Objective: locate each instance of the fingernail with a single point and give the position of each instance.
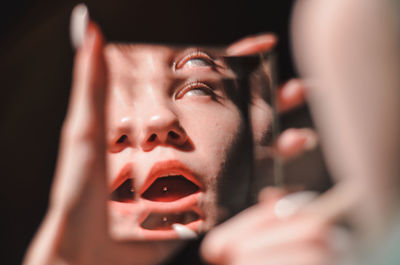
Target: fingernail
(184, 232)
(291, 90)
(288, 138)
(78, 25)
(290, 204)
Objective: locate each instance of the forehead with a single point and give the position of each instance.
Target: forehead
(144, 60)
(135, 57)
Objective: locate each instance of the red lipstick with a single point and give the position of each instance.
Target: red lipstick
(168, 181)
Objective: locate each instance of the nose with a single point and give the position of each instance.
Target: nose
(161, 127)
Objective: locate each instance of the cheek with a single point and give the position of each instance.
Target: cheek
(213, 130)
(214, 124)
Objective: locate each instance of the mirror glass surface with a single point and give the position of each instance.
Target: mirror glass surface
(185, 125)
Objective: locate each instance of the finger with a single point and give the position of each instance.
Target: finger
(300, 254)
(278, 246)
(271, 194)
(310, 232)
(291, 95)
(272, 239)
(330, 207)
(245, 236)
(252, 44)
(338, 202)
(306, 229)
(82, 152)
(293, 142)
(288, 233)
(219, 238)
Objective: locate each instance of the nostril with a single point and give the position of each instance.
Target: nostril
(119, 143)
(173, 135)
(122, 139)
(152, 137)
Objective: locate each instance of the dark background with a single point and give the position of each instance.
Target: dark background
(36, 63)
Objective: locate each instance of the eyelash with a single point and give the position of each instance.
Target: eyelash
(194, 55)
(195, 85)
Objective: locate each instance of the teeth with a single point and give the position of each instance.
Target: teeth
(184, 232)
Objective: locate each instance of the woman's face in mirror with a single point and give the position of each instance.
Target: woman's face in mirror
(176, 135)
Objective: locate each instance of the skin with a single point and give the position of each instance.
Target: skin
(75, 229)
(205, 144)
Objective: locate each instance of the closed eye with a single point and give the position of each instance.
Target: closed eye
(195, 89)
(195, 59)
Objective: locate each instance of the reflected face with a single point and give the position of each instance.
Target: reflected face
(175, 135)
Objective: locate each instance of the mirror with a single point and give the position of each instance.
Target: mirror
(181, 136)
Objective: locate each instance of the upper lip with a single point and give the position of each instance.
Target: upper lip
(124, 174)
(168, 168)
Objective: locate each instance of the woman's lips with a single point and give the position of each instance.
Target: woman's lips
(164, 221)
(166, 182)
(170, 188)
(168, 196)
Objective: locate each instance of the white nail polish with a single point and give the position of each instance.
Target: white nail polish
(290, 204)
(78, 25)
(184, 232)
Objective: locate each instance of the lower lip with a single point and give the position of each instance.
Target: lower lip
(134, 231)
(169, 234)
(164, 221)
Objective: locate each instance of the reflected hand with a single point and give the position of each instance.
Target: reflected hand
(291, 95)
